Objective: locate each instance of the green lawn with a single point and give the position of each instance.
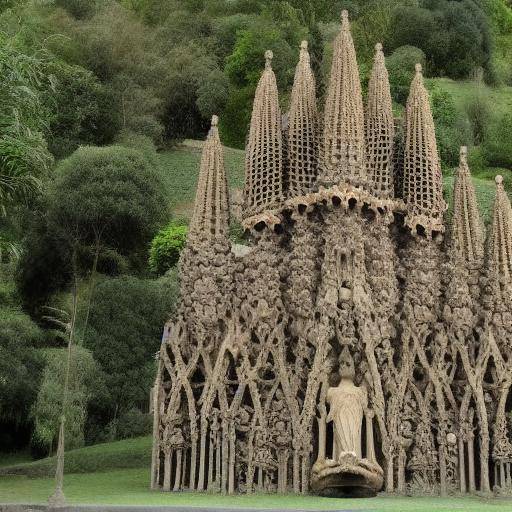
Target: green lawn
(118, 473)
(130, 487)
(461, 91)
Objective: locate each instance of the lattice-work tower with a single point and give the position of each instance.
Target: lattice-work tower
(263, 158)
(211, 209)
(467, 231)
(379, 129)
(303, 126)
(422, 180)
(343, 137)
(500, 240)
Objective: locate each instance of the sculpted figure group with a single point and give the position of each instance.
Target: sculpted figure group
(362, 339)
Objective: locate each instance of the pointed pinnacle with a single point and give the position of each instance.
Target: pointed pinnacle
(269, 55)
(419, 69)
(344, 19)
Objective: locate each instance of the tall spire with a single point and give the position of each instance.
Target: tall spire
(467, 232)
(211, 209)
(500, 240)
(303, 125)
(422, 181)
(263, 159)
(343, 138)
(380, 129)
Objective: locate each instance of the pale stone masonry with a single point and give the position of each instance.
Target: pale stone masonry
(353, 345)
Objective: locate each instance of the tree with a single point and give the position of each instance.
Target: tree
(454, 35)
(85, 377)
(124, 333)
(83, 111)
(20, 373)
(105, 205)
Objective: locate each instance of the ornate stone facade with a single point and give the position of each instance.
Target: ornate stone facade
(353, 344)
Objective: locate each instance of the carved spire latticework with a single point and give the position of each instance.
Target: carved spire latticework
(264, 159)
(348, 345)
(500, 242)
(467, 231)
(303, 128)
(380, 129)
(422, 179)
(211, 208)
(343, 141)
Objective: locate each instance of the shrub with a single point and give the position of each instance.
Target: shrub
(166, 247)
(400, 66)
(497, 146)
(78, 8)
(141, 143)
(133, 423)
(478, 110)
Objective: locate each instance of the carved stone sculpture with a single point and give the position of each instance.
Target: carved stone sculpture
(347, 473)
(346, 264)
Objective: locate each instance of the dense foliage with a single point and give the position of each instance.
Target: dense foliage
(124, 333)
(166, 247)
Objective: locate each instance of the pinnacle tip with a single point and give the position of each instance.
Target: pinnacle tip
(498, 179)
(378, 47)
(463, 151)
(269, 55)
(215, 120)
(344, 15)
(304, 45)
(418, 68)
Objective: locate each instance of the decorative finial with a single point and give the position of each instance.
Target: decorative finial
(344, 15)
(269, 55)
(498, 179)
(463, 153)
(304, 45)
(418, 68)
(378, 47)
(215, 121)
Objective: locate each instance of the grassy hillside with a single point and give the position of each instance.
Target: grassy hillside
(463, 91)
(128, 453)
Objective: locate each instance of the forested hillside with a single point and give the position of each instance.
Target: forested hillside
(96, 99)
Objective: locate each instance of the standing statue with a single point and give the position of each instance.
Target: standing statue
(347, 473)
(348, 403)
